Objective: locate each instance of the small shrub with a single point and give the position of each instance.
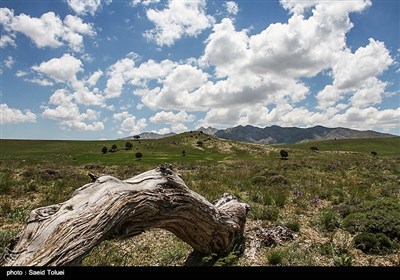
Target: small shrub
(6, 183)
(293, 225)
(371, 243)
(114, 148)
(138, 155)
(275, 257)
(128, 146)
(183, 153)
(280, 198)
(5, 207)
(314, 149)
(374, 154)
(259, 180)
(354, 222)
(284, 154)
(199, 143)
(328, 220)
(104, 150)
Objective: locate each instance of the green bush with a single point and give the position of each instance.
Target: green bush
(328, 220)
(293, 225)
(381, 216)
(275, 257)
(259, 180)
(371, 243)
(354, 222)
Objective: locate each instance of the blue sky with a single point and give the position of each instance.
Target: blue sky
(104, 69)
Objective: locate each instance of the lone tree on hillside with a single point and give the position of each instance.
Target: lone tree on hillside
(128, 146)
(284, 154)
(104, 150)
(314, 149)
(114, 148)
(138, 155)
(136, 137)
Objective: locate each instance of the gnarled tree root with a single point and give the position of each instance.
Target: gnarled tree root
(108, 208)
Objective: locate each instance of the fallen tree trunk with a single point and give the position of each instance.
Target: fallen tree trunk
(108, 208)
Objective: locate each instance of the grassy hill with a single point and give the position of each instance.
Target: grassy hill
(333, 201)
(382, 146)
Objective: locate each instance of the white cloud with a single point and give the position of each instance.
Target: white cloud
(178, 19)
(232, 7)
(62, 70)
(12, 116)
(226, 49)
(20, 73)
(61, 97)
(171, 118)
(47, 31)
(6, 40)
(9, 62)
(164, 130)
(69, 116)
(144, 2)
(178, 128)
(352, 69)
(129, 122)
(121, 116)
(83, 7)
(86, 97)
(356, 73)
(42, 82)
(92, 80)
(118, 75)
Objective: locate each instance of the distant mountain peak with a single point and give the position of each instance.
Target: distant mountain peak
(148, 135)
(289, 135)
(209, 130)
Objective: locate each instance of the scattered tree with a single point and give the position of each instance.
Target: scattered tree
(114, 148)
(199, 143)
(373, 153)
(128, 146)
(104, 150)
(284, 154)
(314, 149)
(136, 137)
(183, 153)
(138, 155)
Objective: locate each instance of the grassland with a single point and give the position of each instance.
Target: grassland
(341, 203)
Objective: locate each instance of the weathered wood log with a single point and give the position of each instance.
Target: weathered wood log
(108, 208)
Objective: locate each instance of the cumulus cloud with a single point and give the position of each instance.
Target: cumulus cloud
(9, 62)
(178, 19)
(129, 122)
(164, 117)
(118, 74)
(178, 128)
(69, 116)
(12, 116)
(83, 7)
(144, 2)
(232, 7)
(258, 79)
(92, 80)
(46, 31)
(61, 70)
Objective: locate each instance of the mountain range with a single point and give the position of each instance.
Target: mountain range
(277, 134)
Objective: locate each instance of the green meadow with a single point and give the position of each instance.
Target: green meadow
(340, 203)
